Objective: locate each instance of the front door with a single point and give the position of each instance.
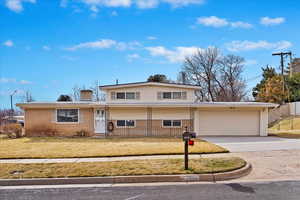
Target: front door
(99, 121)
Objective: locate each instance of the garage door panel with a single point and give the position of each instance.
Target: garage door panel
(229, 123)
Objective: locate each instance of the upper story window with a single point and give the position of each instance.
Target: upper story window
(171, 95)
(67, 115)
(125, 95)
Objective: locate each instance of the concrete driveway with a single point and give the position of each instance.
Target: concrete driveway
(245, 144)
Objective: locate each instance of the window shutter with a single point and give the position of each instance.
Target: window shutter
(113, 95)
(137, 95)
(183, 95)
(159, 95)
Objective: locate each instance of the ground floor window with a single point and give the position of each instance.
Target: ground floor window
(125, 123)
(67, 115)
(171, 123)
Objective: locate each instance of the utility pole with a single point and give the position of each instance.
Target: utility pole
(282, 54)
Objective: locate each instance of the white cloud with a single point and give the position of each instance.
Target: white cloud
(8, 43)
(7, 80)
(240, 24)
(17, 5)
(46, 48)
(100, 44)
(151, 38)
(217, 22)
(212, 21)
(63, 3)
(250, 45)
(94, 9)
(176, 55)
(180, 3)
(13, 80)
(267, 21)
(127, 45)
(145, 4)
(132, 57)
(250, 62)
(94, 4)
(24, 82)
(114, 13)
(105, 44)
(140, 4)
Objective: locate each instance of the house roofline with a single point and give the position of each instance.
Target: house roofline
(146, 104)
(122, 85)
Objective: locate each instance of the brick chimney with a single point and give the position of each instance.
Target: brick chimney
(86, 95)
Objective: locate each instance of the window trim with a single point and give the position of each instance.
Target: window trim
(57, 122)
(119, 98)
(162, 123)
(125, 123)
(172, 95)
(134, 95)
(125, 98)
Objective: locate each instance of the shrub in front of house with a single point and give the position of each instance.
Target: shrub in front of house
(41, 131)
(12, 130)
(82, 133)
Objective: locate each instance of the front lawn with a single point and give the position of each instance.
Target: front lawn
(288, 128)
(120, 168)
(286, 134)
(55, 147)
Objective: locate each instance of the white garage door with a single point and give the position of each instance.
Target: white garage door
(229, 122)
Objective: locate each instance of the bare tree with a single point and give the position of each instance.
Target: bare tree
(200, 69)
(97, 94)
(220, 77)
(27, 97)
(231, 84)
(76, 93)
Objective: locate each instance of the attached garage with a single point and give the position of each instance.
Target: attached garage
(232, 119)
(229, 122)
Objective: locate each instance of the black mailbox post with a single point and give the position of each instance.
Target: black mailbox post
(186, 136)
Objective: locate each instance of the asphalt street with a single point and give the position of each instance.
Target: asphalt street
(277, 190)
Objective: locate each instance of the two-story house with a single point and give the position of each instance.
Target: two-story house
(146, 109)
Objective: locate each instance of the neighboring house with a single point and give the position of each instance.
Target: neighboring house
(147, 109)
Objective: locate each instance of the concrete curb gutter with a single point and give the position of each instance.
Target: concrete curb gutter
(132, 179)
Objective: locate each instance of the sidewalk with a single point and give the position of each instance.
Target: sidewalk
(100, 159)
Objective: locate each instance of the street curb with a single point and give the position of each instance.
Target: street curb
(132, 179)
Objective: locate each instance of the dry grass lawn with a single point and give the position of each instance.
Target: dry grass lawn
(53, 147)
(120, 168)
(288, 128)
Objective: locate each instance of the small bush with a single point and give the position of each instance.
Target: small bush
(12, 130)
(41, 131)
(82, 133)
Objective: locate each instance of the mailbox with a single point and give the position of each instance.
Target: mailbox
(186, 136)
(191, 142)
(193, 134)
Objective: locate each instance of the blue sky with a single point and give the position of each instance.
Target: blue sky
(48, 46)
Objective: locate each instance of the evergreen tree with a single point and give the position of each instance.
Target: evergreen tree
(268, 72)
